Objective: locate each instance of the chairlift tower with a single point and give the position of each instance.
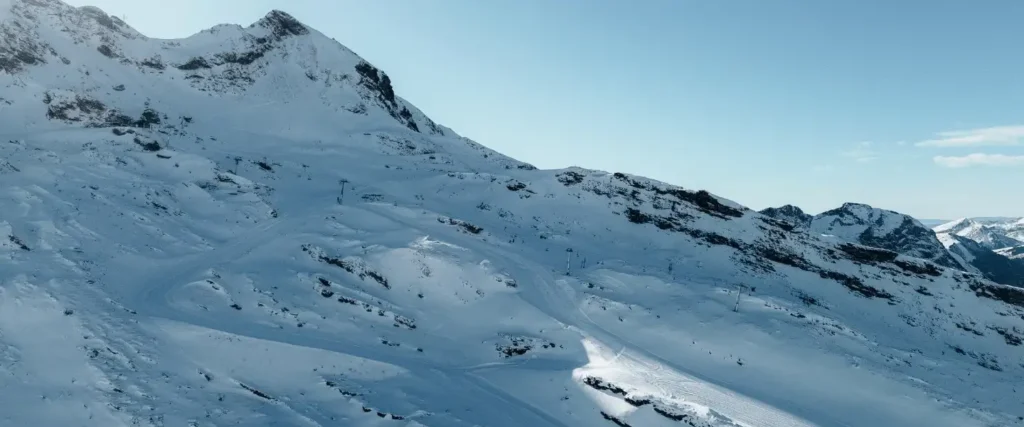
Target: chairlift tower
(341, 198)
(739, 293)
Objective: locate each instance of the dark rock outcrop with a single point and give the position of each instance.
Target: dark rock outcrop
(790, 214)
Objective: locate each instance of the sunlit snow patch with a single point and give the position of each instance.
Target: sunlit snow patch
(634, 391)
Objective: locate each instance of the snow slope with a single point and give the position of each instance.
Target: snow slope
(248, 227)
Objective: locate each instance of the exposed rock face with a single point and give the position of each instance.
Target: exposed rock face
(282, 24)
(791, 214)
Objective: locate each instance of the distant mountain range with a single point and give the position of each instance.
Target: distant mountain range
(982, 219)
(991, 234)
(990, 246)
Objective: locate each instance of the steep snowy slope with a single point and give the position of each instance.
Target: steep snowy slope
(248, 227)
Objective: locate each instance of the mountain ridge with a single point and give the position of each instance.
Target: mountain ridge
(864, 224)
(993, 235)
(975, 246)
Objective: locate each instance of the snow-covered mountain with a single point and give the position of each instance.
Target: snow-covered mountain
(994, 265)
(985, 247)
(1011, 227)
(869, 226)
(964, 244)
(250, 227)
(992, 235)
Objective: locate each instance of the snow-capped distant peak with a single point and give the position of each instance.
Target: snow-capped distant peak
(993, 235)
(955, 225)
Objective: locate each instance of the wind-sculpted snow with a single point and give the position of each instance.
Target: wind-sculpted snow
(277, 244)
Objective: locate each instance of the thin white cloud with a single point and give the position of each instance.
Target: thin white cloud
(992, 136)
(979, 159)
(822, 168)
(862, 152)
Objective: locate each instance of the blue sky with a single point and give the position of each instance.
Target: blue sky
(914, 106)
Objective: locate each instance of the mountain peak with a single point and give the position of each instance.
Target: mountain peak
(955, 225)
(791, 208)
(789, 213)
(901, 233)
(855, 205)
(864, 210)
(282, 24)
(864, 213)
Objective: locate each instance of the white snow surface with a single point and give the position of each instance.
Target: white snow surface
(246, 227)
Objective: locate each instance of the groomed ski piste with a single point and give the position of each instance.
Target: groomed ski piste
(248, 227)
